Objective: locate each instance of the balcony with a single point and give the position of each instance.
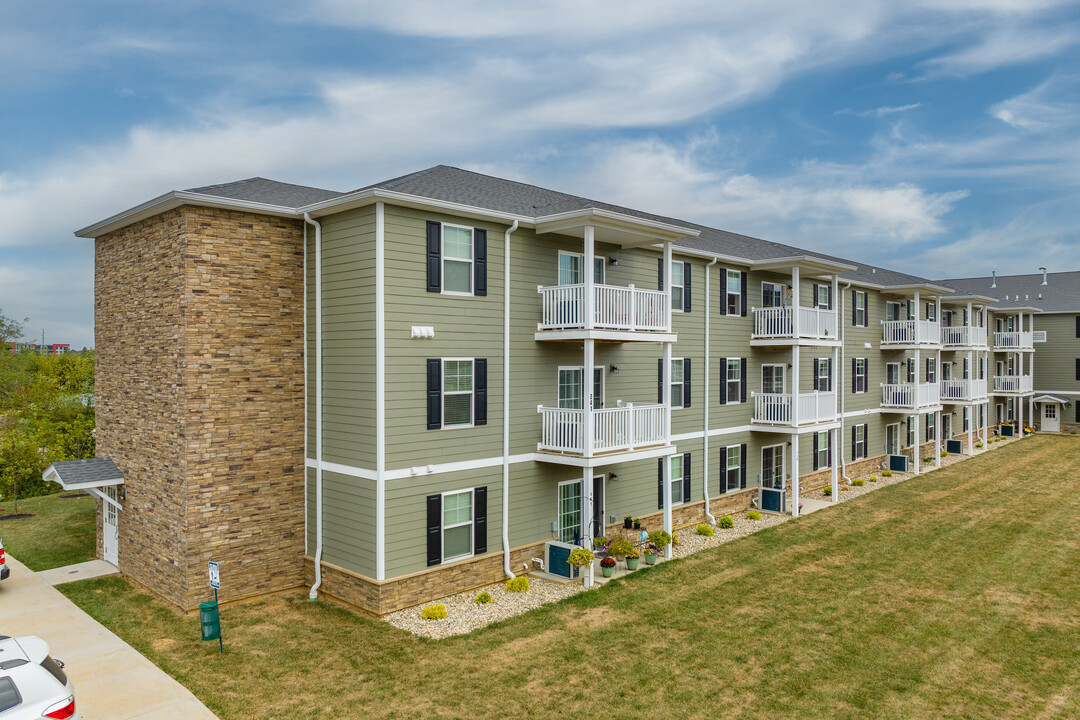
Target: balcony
(614, 310)
(963, 390)
(776, 408)
(1014, 340)
(910, 396)
(1012, 384)
(777, 323)
(625, 429)
(910, 333)
(963, 336)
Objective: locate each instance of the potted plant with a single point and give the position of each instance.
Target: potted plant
(660, 539)
(620, 548)
(601, 545)
(628, 522)
(637, 523)
(580, 557)
(650, 555)
(607, 566)
(632, 559)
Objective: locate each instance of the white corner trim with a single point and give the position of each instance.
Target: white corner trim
(380, 391)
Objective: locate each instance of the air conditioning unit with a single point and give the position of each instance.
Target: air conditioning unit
(556, 559)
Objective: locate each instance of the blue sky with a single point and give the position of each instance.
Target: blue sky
(936, 137)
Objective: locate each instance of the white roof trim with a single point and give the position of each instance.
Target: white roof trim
(175, 199)
(50, 475)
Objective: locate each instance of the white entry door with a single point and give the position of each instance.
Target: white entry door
(1051, 422)
(110, 535)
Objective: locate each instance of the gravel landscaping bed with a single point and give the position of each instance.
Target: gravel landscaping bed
(464, 614)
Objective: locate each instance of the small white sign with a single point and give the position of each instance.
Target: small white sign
(215, 576)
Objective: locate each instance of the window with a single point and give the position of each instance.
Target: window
(678, 286)
(821, 450)
(677, 381)
(733, 476)
(931, 370)
(967, 417)
(910, 432)
(9, 695)
(858, 308)
(822, 374)
(931, 311)
(570, 388)
(823, 297)
(570, 265)
(772, 466)
(892, 439)
(734, 292)
(734, 380)
(911, 370)
(947, 317)
(859, 384)
(772, 379)
(930, 435)
(457, 254)
(676, 480)
(892, 373)
(457, 525)
(772, 295)
(569, 511)
(1050, 411)
(892, 311)
(858, 442)
(457, 393)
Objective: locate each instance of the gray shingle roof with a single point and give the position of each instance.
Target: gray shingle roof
(1060, 294)
(269, 192)
(85, 472)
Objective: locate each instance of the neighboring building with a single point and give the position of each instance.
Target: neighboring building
(489, 372)
(52, 349)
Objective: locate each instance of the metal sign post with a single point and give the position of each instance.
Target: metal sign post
(215, 582)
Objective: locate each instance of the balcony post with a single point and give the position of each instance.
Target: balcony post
(587, 385)
(587, 272)
(917, 447)
(586, 508)
(795, 474)
(667, 501)
(795, 324)
(836, 313)
(667, 285)
(631, 431)
(838, 448)
(633, 308)
(937, 438)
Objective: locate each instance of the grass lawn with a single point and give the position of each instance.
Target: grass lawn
(63, 531)
(952, 595)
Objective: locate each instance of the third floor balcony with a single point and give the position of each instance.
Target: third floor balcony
(772, 324)
(628, 428)
(617, 313)
(1014, 340)
(910, 333)
(910, 396)
(963, 336)
(1012, 384)
(963, 390)
(780, 408)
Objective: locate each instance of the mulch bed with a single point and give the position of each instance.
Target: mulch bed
(17, 516)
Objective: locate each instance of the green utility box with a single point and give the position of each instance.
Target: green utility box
(211, 623)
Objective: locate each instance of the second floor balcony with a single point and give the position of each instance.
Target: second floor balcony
(614, 308)
(778, 323)
(963, 390)
(910, 396)
(627, 428)
(910, 333)
(780, 408)
(1014, 340)
(963, 336)
(1013, 384)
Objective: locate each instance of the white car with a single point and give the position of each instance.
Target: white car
(32, 684)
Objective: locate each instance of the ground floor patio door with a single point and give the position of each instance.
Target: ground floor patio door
(773, 492)
(1051, 422)
(598, 506)
(110, 536)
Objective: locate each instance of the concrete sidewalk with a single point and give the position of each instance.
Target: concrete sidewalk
(78, 571)
(112, 680)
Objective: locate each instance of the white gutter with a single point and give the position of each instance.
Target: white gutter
(313, 594)
(708, 307)
(841, 386)
(506, 403)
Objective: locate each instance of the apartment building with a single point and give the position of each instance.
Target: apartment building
(436, 382)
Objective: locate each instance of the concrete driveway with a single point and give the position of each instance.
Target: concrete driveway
(112, 680)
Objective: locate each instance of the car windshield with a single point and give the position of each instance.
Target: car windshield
(54, 669)
(9, 696)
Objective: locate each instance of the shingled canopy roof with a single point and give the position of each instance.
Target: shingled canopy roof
(84, 474)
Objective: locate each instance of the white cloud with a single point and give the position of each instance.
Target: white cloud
(879, 112)
(57, 296)
(1041, 109)
(1004, 47)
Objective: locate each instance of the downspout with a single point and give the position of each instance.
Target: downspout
(708, 397)
(313, 594)
(506, 403)
(842, 385)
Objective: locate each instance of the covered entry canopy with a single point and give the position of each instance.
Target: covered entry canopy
(1051, 399)
(89, 475)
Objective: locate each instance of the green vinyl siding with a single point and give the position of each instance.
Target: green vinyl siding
(1055, 360)
(348, 521)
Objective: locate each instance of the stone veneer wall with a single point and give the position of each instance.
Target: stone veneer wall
(199, 363)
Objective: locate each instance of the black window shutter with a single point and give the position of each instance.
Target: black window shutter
(828, 450)
(828, 291)
(1078, 326)
(1078, 377)
(828, 370)
(686, 477)
(479, 262)
(854, 375)
(742, 466)
(742, 379)
(480, 391)
(661, 262)
(854, 454)
(816, 295)
(434, 394)
(660, 381)
(723, 470)
(686, 382)
(660, 484)
(479, 520)
(854, 315)
(686, 287)
(816, 466)
(723, 379)
(866, 375)
(1078, 412)
(723, 294)
(742, 299)
(434, 261)
(434, 529)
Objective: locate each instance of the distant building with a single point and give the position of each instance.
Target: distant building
(52, 349)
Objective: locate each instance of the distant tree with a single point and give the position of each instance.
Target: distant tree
(10, 330)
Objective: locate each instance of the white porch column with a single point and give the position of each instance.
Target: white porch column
(795, 475)
(793, 386)
(795, 302)
(667, 504)
(586, 508)
(667, 282)
(917, 447)
(838, 447)
(587, 399)
(667, 348)
(588, 296)
(938, 439)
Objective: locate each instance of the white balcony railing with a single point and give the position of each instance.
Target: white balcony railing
(778, 323)
(910, 395)
(953, 390)
(963, 336)
(613, 308)
(628, 427)
(1013, 384)
(910, 332)
(776, 408)
(1013, 340)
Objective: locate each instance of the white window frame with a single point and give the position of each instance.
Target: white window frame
(865, 309)
(681, 286)
(966, 417)
(823, 452)
(783, 376)
(676, 498)
(584, 397)
(896, 378)
(860, 443)
(601, 260)
(819, 365)
(735, 275)
(931, 311)
(765, 283)
(822, 288)
(470, 393)
(892, 308)
(471, 261)
(862, 382)
(680, 395)
(930, 370)
(728, 468)
(1050, 411)
(471, 523)
(895, 449)
(580, 511)
(783, 458)
(930, 425)
(737, 362)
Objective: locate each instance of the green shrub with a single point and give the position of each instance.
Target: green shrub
(873, 478)
(886, 473)
(518, 584)
(944, 453)
(433, 612)
(704, 529)
(580, 557)
(978, 444)
(827, 492)
(725, 522)
(483, 598)
(858, 482)
(753, 515)
(660, 538)
(928, 460)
